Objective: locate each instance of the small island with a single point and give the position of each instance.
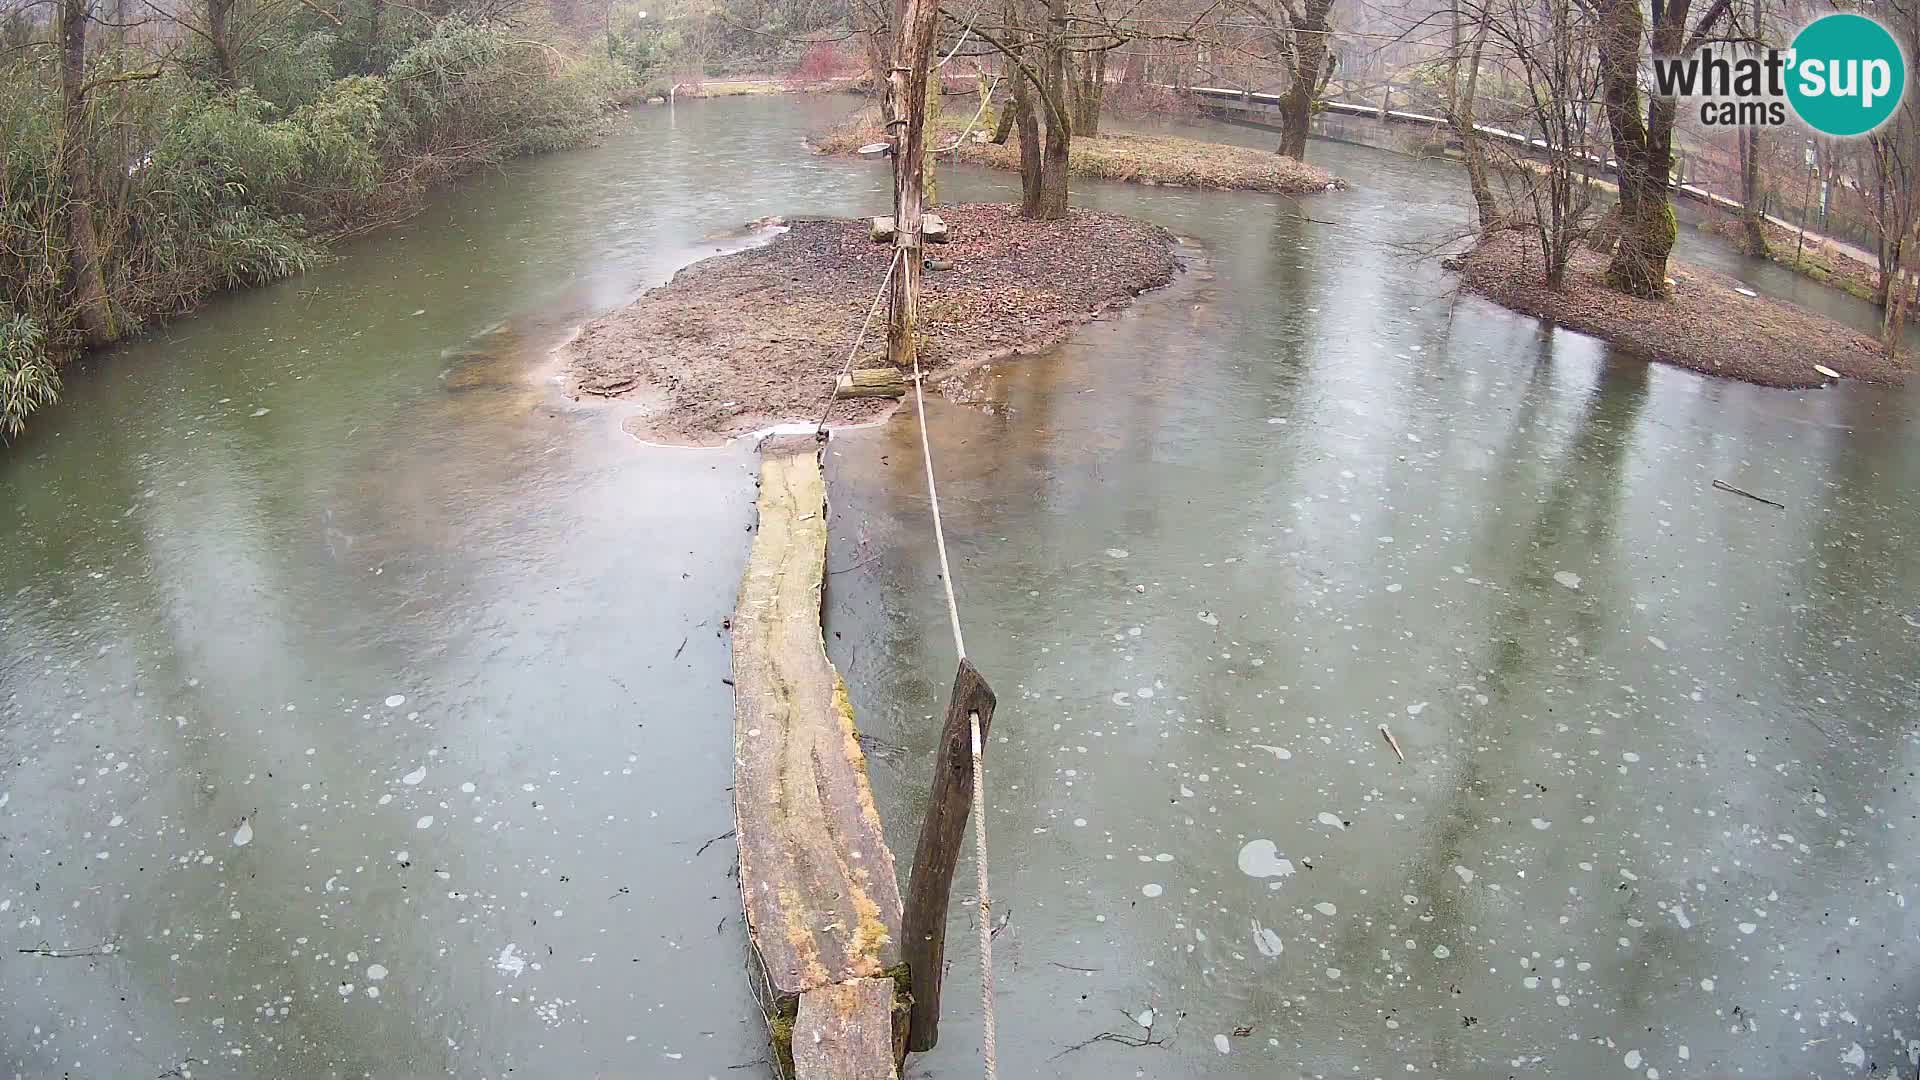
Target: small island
(1708, 322)
(1160, 160)
(741, 342)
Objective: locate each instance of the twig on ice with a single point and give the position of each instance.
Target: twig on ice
(43, 949)
(710, 843)
(1145, 1038)
(1394, 743)
(1724, 486)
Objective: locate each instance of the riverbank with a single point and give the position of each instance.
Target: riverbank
(1813, 256)
(758, 87)
(1708, 325)
(740, 342)
(1160, 160)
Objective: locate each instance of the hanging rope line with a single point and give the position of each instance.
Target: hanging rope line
(858, 339)
(986, 927)
(980, 859)
(933, 498)
(985, 920)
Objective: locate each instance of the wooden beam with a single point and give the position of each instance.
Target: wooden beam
(844, 1032)
(933, 229)
(870, 382)
(942, 835)
(816, 877)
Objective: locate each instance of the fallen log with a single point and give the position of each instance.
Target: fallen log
(817, 880)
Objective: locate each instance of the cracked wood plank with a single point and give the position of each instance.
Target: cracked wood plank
(817, 880)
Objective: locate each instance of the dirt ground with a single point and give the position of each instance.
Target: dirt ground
(1707, 325)
(1162, 160)
(743, 341)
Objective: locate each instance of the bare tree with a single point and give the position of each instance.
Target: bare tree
(1460, 118)
(1551, 45)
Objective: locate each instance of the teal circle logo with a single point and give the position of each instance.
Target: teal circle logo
(1848, 74)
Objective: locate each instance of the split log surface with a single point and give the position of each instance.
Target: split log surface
(843, 1032)
(817, 880)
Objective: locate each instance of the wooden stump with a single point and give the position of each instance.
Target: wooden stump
(942, 835)
(817, 880)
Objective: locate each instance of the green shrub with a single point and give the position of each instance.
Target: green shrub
(200, 186)
(28, 378)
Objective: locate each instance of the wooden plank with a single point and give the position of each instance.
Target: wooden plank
(816, 878)
(870, 382)
(845, 1032)
(942, 836)
(933, 229)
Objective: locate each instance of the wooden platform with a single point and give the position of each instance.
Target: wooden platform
(816, 878)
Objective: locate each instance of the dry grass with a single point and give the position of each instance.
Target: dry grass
(721, 88)
(1707, 324)
(1139, 159)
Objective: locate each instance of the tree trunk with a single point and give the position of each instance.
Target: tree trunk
(1751, 198)
(1028, 124)
(1460, 118)
(929, 184)
(92, 307)
(1054, 92)
(1004, 127)
(871, 24)
(220, 38)
(1893, 319)
(1311, 70)
(1643, 148)
(907, 86)
(1089, 92)
(376, 9)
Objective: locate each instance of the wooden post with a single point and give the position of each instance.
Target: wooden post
(923, 925)
(907, 88)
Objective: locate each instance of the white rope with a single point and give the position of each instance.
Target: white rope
(933, 497)
(956, 45)
(986, 906)
(985, 920)
(858, 338)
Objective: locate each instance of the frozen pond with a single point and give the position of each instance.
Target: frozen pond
(362, 714)
(1657, 813)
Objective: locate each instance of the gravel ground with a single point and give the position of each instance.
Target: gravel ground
(739, 342)
(1707, 325)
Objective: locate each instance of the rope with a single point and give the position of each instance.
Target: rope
(933, 497)
(985, 920)
(986, 927)
(861, 337)
(956, 45)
